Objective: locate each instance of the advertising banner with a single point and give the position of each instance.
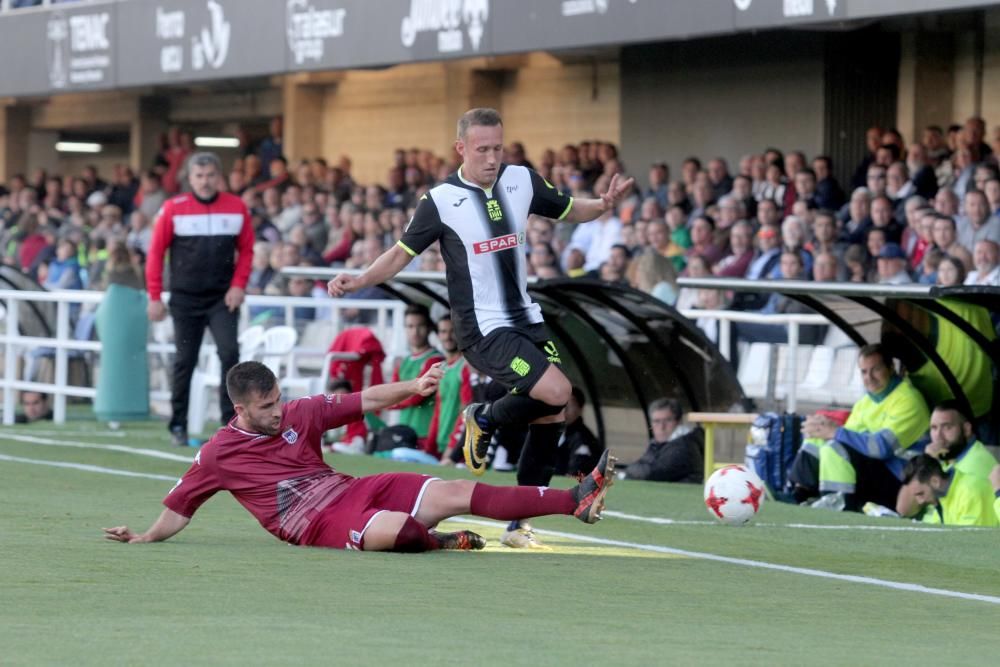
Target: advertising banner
(79, 50)
(162, 41)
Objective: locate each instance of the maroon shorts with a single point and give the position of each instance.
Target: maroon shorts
(342, 523)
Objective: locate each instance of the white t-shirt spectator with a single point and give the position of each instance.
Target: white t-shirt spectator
(595, 239)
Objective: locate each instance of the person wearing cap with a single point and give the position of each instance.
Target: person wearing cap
(892, 266)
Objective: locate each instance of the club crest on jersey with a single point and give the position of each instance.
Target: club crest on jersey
(498, 243)
(493, 210)
(290, 436)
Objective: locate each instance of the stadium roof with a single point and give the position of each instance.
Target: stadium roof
(885, 313)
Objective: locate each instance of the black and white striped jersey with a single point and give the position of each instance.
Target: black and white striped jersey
(482, 235)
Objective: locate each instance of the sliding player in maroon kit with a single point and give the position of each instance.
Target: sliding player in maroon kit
(268, 457)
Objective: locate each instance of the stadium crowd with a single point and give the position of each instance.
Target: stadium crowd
(923, 211)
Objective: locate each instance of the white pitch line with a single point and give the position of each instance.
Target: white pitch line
(688, 522)
(823, 574)
(871, 581)
(101, 434)
(153, 453)
(87, 468)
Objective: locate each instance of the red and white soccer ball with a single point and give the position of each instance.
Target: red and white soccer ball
(734, 494)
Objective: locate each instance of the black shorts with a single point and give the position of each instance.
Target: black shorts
(516, 358)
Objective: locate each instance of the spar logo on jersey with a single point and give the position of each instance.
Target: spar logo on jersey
(290, 436)
(498, 243)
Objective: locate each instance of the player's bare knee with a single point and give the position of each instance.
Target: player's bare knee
(553, 388)
(381, 534)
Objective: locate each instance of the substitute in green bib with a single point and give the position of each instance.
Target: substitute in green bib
(953, 498)
(863, 460)
(453, 394)
(417, 411)
(954, 445)
(968, 362)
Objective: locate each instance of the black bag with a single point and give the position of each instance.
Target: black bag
(392, 437)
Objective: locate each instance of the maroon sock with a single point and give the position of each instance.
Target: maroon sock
(519, 502)
(414, 538)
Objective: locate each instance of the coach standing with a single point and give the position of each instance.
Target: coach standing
(210, 238)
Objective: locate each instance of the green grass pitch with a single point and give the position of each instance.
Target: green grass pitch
(225, 592)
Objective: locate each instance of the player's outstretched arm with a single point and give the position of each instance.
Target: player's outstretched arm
(382, 396)
(166, 526)
(585, 210)
(389, 263)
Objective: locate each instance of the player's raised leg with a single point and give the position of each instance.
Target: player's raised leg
(443, 500)
(539, 391)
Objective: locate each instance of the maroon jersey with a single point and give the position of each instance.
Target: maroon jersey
(282, 479)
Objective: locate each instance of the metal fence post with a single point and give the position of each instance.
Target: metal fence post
(60, 379)
(10, 362)
(792, 369)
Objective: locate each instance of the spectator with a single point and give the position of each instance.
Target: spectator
(595, 239)
(873, 139)
(64, 272)
(718, 177)
(946, 202)
(826, 268)
(731, 211)
(963, 167)
(140, 233)
(703, 240)
(659, 176)
(882, 217)
(654, 274)
(991, 188)
(805, 187)
(674, 452)
(179, 147)
(986, 258)
(271, 148)
(950, 272)
(857, 220)
(945, 235)
(794, 236)
(698, 266)
(735, 264)
(120, 270)
(34, 407)
(826, 235)
(923, 180)
(791, 268)
(829, 195)
(773, 188)
(613, 270)
(862, 461)
(977, 224)
(542, 255)
(891, 265)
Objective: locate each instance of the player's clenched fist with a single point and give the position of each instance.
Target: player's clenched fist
(427, 383)
(341, 285)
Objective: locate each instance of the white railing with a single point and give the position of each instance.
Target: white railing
(387, 327)
(725, 318)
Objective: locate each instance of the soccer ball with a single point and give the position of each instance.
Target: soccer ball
(734, 494)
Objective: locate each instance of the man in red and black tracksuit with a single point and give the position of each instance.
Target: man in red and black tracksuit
(210, 238)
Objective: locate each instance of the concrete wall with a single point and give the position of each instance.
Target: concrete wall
(545, 103)
(548, 103)
(721, 97)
